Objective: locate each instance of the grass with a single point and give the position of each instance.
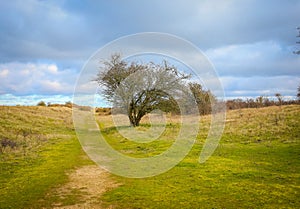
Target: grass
(41, 158)
(256, 165)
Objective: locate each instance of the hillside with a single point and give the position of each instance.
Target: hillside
(257, 164)
(38, 147)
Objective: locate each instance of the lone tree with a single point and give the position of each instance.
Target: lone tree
(137, 89)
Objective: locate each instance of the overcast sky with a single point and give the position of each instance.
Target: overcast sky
(44, 44)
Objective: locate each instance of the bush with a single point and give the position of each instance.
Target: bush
(68, 104)
(41, 103)
(103, 110)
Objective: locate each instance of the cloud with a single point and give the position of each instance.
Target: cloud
(36, 78)
(44, 44)
(4, 73)
(9, 99)
(260, 86)
(73, 30)
(41, 30)
(258, 59)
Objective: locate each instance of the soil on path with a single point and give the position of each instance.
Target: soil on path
(87, 183)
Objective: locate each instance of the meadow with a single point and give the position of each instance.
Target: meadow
(38, 147)
(256, 165)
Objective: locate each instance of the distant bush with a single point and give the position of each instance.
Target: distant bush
(103, 110)
(261, 101)
(55, 105)
(41, 103)
(69, 104)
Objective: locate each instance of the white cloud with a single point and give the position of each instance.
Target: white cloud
(53, 86)
(249, 40)
(52, 68)
(36, 78)
(4, 73)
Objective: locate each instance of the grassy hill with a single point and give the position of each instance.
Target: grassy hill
(257, 164)
(38, 146)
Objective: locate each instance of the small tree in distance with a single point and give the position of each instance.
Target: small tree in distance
(41, 103)
(279, 98)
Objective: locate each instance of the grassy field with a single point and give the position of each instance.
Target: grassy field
(38, 147)
(257, 164)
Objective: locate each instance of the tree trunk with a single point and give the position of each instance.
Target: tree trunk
(134, 121)
(135, 115)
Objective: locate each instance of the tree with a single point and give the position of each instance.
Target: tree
(41, 103)
(137, 89)
(260, 101)
(298, 94)
(279, 97)
(204, 99)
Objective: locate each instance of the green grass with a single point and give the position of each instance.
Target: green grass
(141, 150)
(41, 159)
(257, 165)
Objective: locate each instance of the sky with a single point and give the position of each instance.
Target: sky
(44, 44)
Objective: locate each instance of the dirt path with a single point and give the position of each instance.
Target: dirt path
(87, 183)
